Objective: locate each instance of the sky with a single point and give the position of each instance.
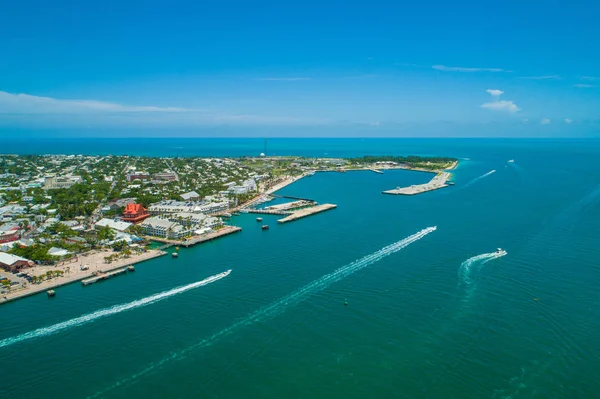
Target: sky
(290, 68)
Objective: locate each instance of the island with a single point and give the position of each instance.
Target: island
(66, 218)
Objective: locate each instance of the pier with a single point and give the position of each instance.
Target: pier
(439, 181)
(103, 276)
(376, 171)
(198, 239)
(269, 211)
(299, 214)
(291, 205)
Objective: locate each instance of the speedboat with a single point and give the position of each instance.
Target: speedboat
(500, 252)
(511, 160)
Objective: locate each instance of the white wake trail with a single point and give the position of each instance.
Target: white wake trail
(282, 304)
(465, 269)
(87, 318)
(483, 176)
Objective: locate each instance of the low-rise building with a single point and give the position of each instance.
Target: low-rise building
(166, 176)
(137, 175)
(117, 225)
(191, 196)
(135, 213)
(13, 263)
(52, 182)
(162, 227)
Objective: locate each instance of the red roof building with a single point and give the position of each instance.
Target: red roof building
(135, 213)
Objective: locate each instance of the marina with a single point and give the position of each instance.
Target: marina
(440, 180)
(226, 230)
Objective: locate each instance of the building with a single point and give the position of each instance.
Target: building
(113, 224)
(164, 207)
(213, 207)
(13, 263)
(166, 176)
(52, 182)
(137, 176)
(9, 236)
(161, 227)
(191, 196)
(135, 213)
(55, 251)
(186, 219)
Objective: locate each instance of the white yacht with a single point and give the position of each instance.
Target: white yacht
(511, 160)
(500, 252)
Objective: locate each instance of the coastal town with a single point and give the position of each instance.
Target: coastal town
(66, 218)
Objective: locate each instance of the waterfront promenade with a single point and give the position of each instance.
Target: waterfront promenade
(73, 272)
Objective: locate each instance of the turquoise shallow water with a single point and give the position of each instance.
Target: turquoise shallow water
(420, 323)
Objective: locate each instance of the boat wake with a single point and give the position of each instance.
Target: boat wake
(466, 268)
(87, 318)
(483, 176)
(282, 304)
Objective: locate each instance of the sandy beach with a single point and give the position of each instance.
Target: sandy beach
(72, 271)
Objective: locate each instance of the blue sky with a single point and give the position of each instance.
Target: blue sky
(429, 68)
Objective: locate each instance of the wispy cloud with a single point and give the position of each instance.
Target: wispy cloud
(29, 108)
(463, 69)
(499, 105)
(583, 85)
(283, 79)
(592, 78)
(545, 121)
(543, 77)
(568, 121)
(503, 105)
(25, 103)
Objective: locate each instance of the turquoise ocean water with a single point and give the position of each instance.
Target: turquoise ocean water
(436, 319)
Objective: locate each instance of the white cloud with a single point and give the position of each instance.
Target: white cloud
(494, 92)
(283, 79)
(545, 121)
(543, 77)
(583, 85)
(463, 69)
(25, 108)
(507, 106)
(568, 121)
(500, 105)
(25, 103)
(590, 78)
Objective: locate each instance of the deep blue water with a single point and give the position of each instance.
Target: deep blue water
(420, 323)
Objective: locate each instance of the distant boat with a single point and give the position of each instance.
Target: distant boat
(500, 252)
(51, 293)
(131, 268)
(511, 160)
(259, 219)
(265, 227)
(175, 255)
(244, 210)
(311, 173)
(226, 215)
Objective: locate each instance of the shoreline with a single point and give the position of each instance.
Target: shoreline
(77, 274)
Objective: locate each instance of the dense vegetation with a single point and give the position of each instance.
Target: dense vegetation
(414, 161)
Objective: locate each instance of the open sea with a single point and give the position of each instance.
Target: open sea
(429, 314)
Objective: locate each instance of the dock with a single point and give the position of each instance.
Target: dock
(197, 239)
(103, 276)
(439, 181)
(291, 205)
(299, 214)
(376, 171)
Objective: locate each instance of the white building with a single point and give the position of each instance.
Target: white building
(117, 225)
(52, 182)
(160, 227)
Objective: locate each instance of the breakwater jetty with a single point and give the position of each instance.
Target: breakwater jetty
(299, 214)
(439, 181)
